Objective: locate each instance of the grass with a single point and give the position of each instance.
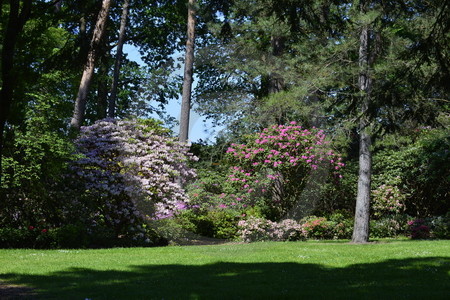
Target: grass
(294, 270)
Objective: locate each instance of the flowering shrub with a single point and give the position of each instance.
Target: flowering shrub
(387, 199)
(440, 226)
(130, 166)
(388, 226)
(318, 228)
(418, 229)
(27, 237)
(276, 162)
(256, 229)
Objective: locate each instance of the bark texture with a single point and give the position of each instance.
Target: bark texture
(188, 74)
(362, 212)
(88, 72)
(118, 60)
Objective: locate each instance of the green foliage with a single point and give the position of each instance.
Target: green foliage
(72, 236)
(389, 226)
(34, 160)
(343, 224)
(76, 236)
(216, 223)
(30, 237)
(417, 169)
(317, 227)
(440, 226)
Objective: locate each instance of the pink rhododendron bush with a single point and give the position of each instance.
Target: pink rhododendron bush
(276, 164)
(261, 182)
(131, 170)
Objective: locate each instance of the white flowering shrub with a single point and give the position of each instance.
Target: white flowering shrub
(387, 199)
(130, 168)
(257, 229)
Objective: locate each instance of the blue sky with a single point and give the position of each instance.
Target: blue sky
(199, 127)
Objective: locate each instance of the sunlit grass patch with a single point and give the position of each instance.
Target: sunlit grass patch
(266, 270)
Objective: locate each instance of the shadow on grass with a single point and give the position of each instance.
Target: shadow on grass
(421, 278)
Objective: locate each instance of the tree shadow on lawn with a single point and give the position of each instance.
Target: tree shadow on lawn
(420, 278)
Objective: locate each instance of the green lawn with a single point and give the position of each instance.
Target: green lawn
(291, 270)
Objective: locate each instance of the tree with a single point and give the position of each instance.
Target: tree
(16, 21)
(122, 31)
(379, 67)
(88, 71)
(251, 72)
(188, 73)
(362, 211)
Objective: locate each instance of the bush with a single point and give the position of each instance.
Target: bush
(130, 169)
(77, 236)
(276, 163)
(72, 236)
(216, 223)
(318, 228)
(30, 237)
(391, 226)
(418, 229)
(440, 226)
(387, 199)
(256, 229)
(343, 228)
(14, 238)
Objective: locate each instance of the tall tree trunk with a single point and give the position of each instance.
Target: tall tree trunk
(118, 61)
(16, 21)
(88, 72)
(188, 74)
(362, 213)
(57, 5)
(102, 86)
(276, 81)
(83, 39)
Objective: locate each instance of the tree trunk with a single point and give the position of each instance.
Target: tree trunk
(362, 213)
(16, 21)
(188, 74)
(102, 86)
(88, 72)
(276, 81)
(117, 64)
(57, 5)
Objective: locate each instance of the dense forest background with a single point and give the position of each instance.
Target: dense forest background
(372, 75)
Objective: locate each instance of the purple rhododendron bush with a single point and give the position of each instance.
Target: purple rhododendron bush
(131, 170)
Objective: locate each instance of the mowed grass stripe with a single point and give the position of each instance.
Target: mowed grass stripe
(270, 270)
